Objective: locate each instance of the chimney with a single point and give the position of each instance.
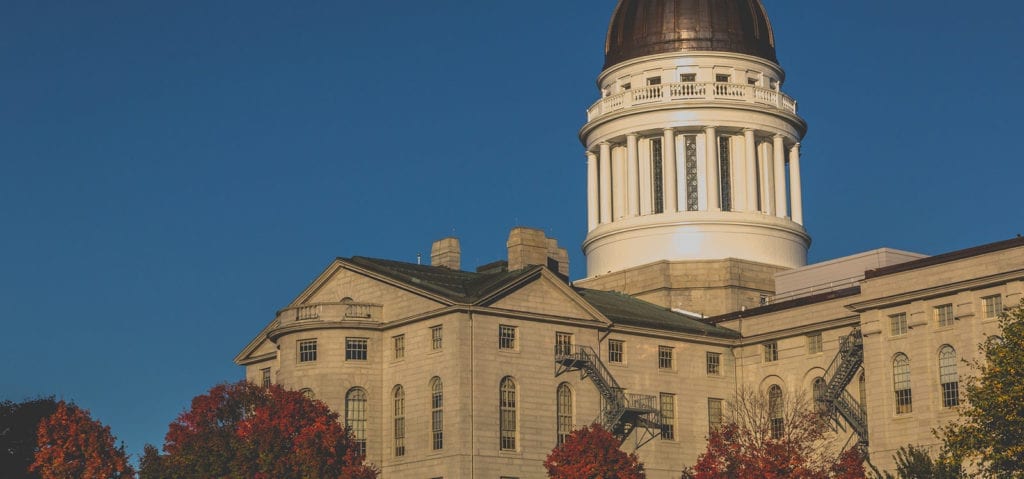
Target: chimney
(446, 253)
(558, 258)
(529, 246)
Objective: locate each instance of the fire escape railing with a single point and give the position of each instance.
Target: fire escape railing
(840, 373)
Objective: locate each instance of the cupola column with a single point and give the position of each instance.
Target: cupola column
(606, 183)
(751, 165)
(797, 205)
(670, 172)
(632, 175)
(592, 201)
(711, 137)
(619, 197)
(780, 176)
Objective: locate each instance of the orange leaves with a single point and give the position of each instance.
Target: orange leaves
(592, 453)
(74, 446)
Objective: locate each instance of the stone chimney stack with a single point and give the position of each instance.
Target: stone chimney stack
(446, 253)
(529, 246)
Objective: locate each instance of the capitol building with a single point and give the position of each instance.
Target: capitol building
(696, 286)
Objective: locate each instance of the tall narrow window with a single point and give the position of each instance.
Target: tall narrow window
(507, 408)
(692, 195)
(563, 343)
(668, 416)
(948, 377)
(771, 351)
(901, 384)
(565, 419)
(436, 414)
(714, 364)
(898, 324)
(818, 390)
(399, 411)
(616, 351)
(658, 176)
(993, 305)
(714, 414)
(862, 386)
(355, 416)
(435, 338)
(399, 342)
(725, 174)
(814, 343)
(265, 372)
(944, 315)
(775, 416)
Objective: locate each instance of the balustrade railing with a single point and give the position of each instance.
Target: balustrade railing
(712, 91)
(346, 311)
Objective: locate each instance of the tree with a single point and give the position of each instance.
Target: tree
(18, 425)
(592, 453)
(914, 462)
(244, 430)
(72, 445)
(987, 436)
(769, 437)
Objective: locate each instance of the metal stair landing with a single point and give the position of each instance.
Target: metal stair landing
(835, 402)
(621, 412)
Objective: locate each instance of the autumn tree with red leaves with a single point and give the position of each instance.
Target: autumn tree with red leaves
(244, 430)
(72, 445)
(592, 453)
(765, 440)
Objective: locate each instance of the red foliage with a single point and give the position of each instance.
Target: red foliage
(850, 465)
(592, 453)
(74, 446)
(729, 456)
(243, 430)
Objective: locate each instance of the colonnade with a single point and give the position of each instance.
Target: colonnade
(744, 171)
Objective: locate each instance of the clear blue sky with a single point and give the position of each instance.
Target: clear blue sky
(172, 173)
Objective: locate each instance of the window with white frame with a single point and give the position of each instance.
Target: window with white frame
(654, 81)
(771, 351)
(814, 344)
(901, 384)
(398, 404)
(949, 378)
(616, 351)
(944, 315)
(898, 324)
(993, 305)
(436, 414)
(564, 413)
(714, 363)
(507, 412)
(665, 357)
(507, 337)
(435, 338)
(399, 346)
(307, 350)
(356, 349)
(355, 417)
(563, 343)
(668, 416)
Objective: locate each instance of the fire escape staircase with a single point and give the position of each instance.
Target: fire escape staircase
(621, 412)
(835, 402)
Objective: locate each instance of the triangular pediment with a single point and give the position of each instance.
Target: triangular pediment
(544, 294)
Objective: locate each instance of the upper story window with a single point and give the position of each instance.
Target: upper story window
(723, 78)
(435, 338)
(616, 351)
(307, 350)
(507, 337)
(654, 81)
(665, 357)
(714, 364)
(265, 373)
(507, 410)
(944, 315)
(901, 384)
(993, 305)
(714, 414)
(356, 349)
(399, 346)
(771, 351)
(752, 81)
(814, 345)
(563, 343)
(436, 414)
(626, 86)
(898, 324)
(688, 77)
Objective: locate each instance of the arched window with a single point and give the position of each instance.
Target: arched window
(818, 390)
(948, 376)
(565, 420)
(901, 384)
(775, 411)
(507, 408)
(399, 412)
(436, 413)
(355, 416)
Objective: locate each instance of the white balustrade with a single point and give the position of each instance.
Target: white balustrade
(346, 311)
(712, 91)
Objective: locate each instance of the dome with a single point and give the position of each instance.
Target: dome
(648, 27)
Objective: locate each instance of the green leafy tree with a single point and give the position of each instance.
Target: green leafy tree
(989, 435)
(246, 431)
(18, 425)
(73, 445)
(592, 453)
(913, 462)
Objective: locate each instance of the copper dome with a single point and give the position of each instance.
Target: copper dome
(648, 27)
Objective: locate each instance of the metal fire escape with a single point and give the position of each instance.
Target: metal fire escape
(835, 401)
(621, 412)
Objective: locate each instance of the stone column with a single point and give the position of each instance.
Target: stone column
(606, 183)
(751, 158)
(592, 198)
(797, 202)
(669, 172)
(632, 175)
(714, 197)
(780, 176)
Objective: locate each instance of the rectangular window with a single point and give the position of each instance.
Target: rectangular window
(664, 357)
(435, 338)
(814, 345)
(944, 315)
(399, 342)
(616, 351)
(658, 176)
(307, 350)
(714, 414)
(692, 182)
(898, 324)
(563, 343)
(724, 173)
(507, 337)
(751, 81)
(714, 364)
(626, 86)
(668, 416)
(993, 306)
(688, 77)
(654, 81)
(720, 78)
(356, 349)
(771, 352)
(265, 372)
